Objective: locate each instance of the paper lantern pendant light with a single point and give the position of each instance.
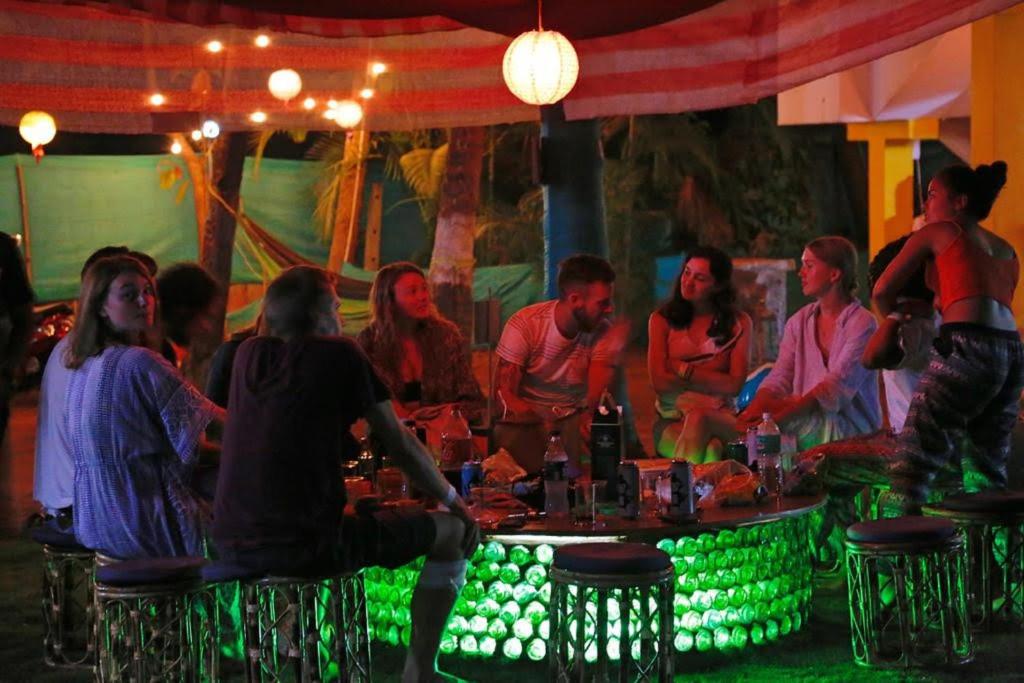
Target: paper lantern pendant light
(37, 128)
(284, 84)
(540, 67)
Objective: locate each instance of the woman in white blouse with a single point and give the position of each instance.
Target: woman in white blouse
(818, 390)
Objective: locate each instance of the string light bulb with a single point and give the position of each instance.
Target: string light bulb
(348, 114)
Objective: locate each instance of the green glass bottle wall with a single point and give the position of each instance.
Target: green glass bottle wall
(734, 588)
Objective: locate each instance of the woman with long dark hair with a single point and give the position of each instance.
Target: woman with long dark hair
(421, 356)
(976, 371)
(697, 357)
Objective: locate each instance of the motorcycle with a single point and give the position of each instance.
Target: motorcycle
(52, 323)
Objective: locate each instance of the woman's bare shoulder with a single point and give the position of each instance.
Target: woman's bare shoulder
(999, 247)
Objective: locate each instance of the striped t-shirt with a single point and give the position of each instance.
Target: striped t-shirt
(555, 368)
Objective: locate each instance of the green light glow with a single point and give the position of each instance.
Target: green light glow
(733, 588)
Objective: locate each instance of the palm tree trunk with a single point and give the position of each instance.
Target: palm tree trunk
(219, 241)
(451, 263)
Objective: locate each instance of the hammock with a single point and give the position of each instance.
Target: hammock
(282, 257)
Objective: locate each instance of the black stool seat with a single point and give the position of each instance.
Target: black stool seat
(902, 530)
(63, 540)
(224, 570)
(1008, 502)
(150, 571)
(611, 558)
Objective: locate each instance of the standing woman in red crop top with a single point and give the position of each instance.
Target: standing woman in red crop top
(976, 372)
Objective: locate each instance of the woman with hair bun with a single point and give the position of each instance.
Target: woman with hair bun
(976, 372)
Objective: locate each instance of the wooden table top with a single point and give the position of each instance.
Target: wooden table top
(646, 527)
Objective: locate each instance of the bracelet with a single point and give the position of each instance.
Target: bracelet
(450, 496)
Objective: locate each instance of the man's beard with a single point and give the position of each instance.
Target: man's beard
(585, 324)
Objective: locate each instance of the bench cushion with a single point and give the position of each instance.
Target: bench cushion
(150, 571)
(224, 571)
(902, 530)
(611, 558)
(63, 540)
(1009, 502)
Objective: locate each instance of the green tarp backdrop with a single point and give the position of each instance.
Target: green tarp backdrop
(77, 204)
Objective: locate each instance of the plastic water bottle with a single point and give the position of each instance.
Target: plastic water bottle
(769, 454)
(456, 440)
(556, 486)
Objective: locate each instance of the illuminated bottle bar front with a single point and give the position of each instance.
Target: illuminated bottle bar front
(733, 588)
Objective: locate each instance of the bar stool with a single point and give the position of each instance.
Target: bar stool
(219, 576)
(147, 627)
(591, 584)
(993, 522)
(316, 627)
(69, 637)
(907, 601)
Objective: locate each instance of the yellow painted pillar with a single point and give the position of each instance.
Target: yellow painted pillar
(890, 174)
(997, 121)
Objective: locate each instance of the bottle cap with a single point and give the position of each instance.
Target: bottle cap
(766, 416)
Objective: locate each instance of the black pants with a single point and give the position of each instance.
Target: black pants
(972, 386)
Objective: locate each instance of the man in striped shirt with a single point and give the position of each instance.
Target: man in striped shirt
(555, 360)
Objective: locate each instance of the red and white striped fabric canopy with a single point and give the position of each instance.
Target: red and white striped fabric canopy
(94, 65)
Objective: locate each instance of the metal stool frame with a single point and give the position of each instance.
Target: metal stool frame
(928, 583)
(303, 626)
(68, 608)
(151, 632)
(571, 594)
(995, 576)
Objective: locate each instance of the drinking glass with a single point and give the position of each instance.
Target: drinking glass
(649, 502)
(391, 484)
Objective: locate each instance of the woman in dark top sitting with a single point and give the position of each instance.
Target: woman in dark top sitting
(422, 358)
(975, 375)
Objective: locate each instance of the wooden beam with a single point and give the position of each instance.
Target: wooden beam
(218, 245)
(26, 240)
(371, 250)
(350, 194)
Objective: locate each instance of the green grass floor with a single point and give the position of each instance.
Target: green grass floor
(820, 652)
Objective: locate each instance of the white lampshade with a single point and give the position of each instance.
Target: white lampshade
(284, 84)
(37, 128)
(348, 113)
(540, 67)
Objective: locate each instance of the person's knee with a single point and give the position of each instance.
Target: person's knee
(696, 421)
(444, 574)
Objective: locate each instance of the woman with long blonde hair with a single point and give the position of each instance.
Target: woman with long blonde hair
(818, 391)
(421, 356)
(133, 421)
